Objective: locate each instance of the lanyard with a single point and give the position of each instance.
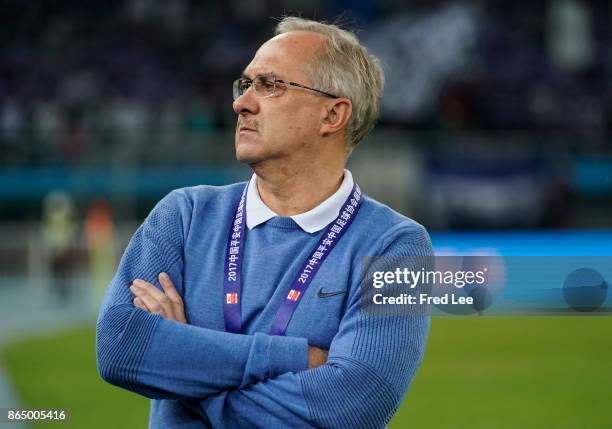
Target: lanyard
(232, 276)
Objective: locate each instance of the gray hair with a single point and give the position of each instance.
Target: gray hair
(346, 69)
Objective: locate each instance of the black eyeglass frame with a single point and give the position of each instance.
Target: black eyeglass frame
(238, 84)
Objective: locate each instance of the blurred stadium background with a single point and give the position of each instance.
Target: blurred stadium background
(495, 133)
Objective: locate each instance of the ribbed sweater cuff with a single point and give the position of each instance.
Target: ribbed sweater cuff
(288, 354)
(272, 355)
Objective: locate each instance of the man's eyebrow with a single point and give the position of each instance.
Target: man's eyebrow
(265, 74)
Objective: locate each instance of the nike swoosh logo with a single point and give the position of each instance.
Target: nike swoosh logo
(322, 294)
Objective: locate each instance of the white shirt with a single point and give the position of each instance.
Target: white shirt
(257, 212)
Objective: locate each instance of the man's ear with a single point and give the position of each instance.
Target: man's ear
(335, 115)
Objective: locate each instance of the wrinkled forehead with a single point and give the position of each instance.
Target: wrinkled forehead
(286, 55)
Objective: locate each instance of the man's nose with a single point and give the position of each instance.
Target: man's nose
(246, 103)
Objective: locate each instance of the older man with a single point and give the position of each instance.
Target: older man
(259, 280)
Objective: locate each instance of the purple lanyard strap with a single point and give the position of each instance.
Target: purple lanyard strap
(232, 280)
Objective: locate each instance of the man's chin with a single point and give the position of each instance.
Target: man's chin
(248, 157)
(249, 152)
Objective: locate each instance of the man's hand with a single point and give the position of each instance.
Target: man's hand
(316, 357)
(149, 298)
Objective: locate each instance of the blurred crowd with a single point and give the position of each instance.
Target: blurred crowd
(501, 65)
(81, 74)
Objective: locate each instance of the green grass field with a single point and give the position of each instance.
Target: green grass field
(479, 372)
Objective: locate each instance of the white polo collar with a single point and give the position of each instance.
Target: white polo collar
(311, 221)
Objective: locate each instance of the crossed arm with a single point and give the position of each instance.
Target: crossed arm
(358, 389)
(169, 304)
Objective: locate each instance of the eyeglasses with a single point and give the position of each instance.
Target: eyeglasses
(266, 86)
